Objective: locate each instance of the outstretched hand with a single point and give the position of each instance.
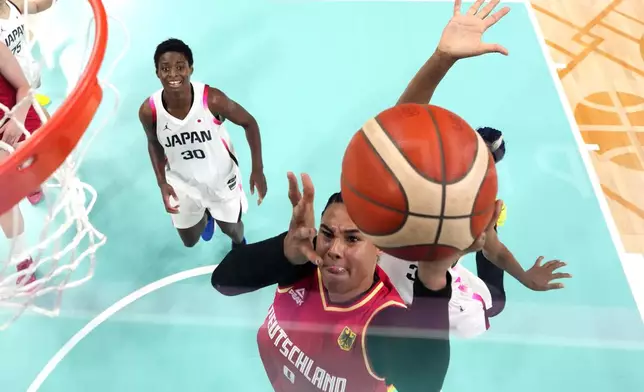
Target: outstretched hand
(540, 277)
(298, 243)
(462, 37)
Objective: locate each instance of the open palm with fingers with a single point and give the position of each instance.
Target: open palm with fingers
(540, 277)
(298, 243)
(462, 37)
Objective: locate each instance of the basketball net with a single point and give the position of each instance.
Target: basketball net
(66, 240)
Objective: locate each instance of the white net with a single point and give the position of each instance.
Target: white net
(53, 248)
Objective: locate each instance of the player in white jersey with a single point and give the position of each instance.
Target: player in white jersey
(13, 34)
(192, 155)
(476, 298)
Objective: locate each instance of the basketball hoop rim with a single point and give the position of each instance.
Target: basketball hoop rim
(52, 143)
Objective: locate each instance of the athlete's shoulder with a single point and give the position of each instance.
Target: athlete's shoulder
(218, 103)
(147, 110)
(216, 97)
(146, 113)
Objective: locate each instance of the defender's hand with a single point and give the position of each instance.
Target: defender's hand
(462, 37)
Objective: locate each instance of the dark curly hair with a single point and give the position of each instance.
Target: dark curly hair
(172, 45)
(494, 140)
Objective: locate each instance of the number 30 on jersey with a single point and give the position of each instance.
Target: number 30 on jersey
(193, 154)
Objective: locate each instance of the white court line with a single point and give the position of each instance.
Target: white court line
(630, 273)
(634, 265)
(109, 312)
(592, 147)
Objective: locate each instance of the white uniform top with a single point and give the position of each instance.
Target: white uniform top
(200, 156)
(14, 36)
(470, 295)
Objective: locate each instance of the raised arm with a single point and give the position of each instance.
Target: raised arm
(538, 277)
(461, 38)
(255, 266)
(281, 260)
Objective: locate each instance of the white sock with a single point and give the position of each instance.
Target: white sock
(19, 248)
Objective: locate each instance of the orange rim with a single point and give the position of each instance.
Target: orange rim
(48, 148)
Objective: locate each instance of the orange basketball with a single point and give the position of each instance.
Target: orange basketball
(419, 182)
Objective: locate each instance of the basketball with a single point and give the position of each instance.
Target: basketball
(419, 182)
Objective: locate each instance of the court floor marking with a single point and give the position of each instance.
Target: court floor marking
(631, 265)
(109, 312)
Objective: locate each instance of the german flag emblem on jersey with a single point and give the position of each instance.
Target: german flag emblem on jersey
(346, 339)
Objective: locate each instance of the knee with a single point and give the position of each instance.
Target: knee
(190, 243)
(498, 305)
(189, 238)
(232, 229)
(495, 310)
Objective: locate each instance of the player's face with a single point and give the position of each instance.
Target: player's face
(174, 71)
(349, 259)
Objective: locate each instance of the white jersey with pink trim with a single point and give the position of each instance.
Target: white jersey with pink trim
(470, 296)
(200, 155)
(14, 36)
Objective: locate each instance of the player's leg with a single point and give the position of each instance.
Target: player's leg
(235, 231)
(13, 226)
(190, 235)
(492, 276)
(191, 219)
(228, 215)
(32, 123)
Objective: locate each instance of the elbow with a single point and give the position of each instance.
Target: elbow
(218, 283)
(251, 125)
(224, 279)
(226, 291)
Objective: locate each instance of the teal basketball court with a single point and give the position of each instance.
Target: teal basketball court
(311, 73)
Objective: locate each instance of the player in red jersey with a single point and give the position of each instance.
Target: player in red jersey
(313, 336)
(14, 88)
(337, 323)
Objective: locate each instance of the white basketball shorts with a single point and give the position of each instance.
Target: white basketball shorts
(194, 200)
(470, 295)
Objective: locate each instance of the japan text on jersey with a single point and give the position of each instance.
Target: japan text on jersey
(12, 30)
(198, 148)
